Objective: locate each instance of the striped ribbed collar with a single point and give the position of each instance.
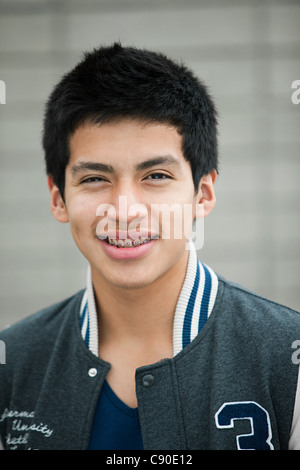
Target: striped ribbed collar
(195, 303)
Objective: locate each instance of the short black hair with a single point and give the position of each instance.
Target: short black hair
(112, 83)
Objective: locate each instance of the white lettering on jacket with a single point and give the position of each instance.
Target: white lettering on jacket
(20, 428)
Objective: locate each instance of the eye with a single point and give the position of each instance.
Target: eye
(158, 176)
(93, 179)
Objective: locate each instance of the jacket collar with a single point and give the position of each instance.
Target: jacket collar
(194, 305)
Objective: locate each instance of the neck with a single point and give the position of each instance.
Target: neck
(143, 314)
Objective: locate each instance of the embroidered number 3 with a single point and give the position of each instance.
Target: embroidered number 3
(260, 437)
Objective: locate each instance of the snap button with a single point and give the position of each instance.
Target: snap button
(92, 372)
(148, 380)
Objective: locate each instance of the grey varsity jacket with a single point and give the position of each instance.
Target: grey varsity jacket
(231, 385)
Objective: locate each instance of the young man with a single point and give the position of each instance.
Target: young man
(158, 352)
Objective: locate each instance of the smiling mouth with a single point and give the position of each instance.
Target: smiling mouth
(128, 242)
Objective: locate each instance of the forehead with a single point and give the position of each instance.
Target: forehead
(127, 142)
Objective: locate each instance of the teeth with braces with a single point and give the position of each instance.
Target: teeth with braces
(127, 242)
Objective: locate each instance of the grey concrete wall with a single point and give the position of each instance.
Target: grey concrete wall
(247, 51)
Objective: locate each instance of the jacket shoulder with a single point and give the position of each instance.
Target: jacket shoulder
(39, 329)
(252, 299)
(267, 318)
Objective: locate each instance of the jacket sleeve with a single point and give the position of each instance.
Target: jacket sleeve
(2, 407)
(294, 442)
(3, 390)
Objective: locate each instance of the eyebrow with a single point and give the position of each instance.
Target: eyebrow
(103, 167)
(91, 166)
(161, 160)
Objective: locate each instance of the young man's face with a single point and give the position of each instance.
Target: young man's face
(120, 180)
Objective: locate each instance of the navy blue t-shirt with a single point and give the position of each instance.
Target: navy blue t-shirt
(116, 426)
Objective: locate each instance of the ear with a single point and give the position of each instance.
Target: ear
(206, 198)
(57, 205)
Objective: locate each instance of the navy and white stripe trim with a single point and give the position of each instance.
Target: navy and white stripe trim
(88, 316)
(195, 303)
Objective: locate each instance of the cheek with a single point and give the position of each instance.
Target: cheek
(175, 217)
(82, 217)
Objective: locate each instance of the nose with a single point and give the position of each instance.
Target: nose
(126, 212)
(130, 212)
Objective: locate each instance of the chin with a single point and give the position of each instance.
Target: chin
(129, 284)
